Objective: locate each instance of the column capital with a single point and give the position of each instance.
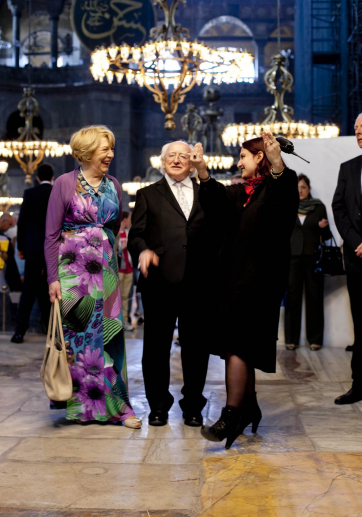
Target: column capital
(55, 8)
(16, 6)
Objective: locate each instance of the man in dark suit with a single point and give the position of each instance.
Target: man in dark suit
(347, 214)
(31, 237)
(167, 239)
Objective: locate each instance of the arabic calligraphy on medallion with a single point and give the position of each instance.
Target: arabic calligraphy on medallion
(104, 22)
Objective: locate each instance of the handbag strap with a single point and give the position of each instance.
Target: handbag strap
(58, 319)
(51, 318)
(333, 241)
(52, 326)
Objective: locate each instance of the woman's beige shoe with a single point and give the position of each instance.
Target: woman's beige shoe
(133, 422)
(291, 346)
(315, 347)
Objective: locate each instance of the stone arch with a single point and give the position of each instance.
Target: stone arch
(230, 31)
(228, 26)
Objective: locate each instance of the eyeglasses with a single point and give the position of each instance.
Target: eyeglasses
(182, 157)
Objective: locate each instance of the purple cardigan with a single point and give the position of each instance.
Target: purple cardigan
(59, 201)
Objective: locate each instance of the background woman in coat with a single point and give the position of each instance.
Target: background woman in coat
(311, 226)
(83, 218)
(254, 265)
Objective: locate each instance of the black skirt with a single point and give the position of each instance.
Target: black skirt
(248, 325)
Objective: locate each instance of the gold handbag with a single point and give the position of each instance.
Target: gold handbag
(55, 372)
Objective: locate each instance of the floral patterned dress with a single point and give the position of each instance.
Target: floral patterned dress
(91, 306)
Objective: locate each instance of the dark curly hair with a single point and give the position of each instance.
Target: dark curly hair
(255, 145)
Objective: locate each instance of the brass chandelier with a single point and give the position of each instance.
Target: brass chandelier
(170, 62)
(28, 149)
(236, 134)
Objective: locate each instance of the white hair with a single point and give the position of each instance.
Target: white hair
(164, 152)
(358, 116)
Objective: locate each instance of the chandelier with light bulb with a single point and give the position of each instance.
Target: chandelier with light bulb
(28, 149)
(236, 134)
(171, 66)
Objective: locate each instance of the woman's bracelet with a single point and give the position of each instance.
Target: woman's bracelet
(206, 179)
(276, 175)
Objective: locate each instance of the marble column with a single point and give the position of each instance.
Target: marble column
(55, 9)
(16, 8)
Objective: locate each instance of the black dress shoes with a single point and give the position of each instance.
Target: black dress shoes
(193, 419)
(158, 418)
(350, 397)
(17, 338)
(349, 348)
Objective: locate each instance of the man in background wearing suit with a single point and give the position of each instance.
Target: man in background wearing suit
(167, 239)
(347, 214)
(31, 237)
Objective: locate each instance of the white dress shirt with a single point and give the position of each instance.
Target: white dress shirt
(188, 191)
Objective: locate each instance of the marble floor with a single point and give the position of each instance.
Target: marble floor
(305, 460)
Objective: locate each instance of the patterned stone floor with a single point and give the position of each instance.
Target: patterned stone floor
(305, 460)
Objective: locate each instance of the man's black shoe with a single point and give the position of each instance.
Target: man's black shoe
(350, 397)
(349, 348)
(158, 418)
(193, 419)
(17, 338)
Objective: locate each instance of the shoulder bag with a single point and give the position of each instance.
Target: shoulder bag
(55, 372)
(329, 259)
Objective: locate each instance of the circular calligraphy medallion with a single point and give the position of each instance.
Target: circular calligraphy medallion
(105, 22)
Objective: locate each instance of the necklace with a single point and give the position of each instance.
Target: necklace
(93, 186)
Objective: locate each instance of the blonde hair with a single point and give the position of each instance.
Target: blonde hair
(85, 141)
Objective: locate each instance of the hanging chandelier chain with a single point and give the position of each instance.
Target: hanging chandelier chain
(29, 49)
(278, 18)
(169, 25)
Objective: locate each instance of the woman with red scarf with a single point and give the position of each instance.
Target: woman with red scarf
(254, 260)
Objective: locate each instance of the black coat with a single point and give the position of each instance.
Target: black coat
(306, 237)
(31, 223)
(347, 212)
(252, 264)
(159, 224)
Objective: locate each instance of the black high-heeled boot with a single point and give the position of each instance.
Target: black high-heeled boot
(250, 414)
(227, 426)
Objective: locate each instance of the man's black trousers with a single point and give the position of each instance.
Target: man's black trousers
(35, 286)
(354, 284)
(163, 304)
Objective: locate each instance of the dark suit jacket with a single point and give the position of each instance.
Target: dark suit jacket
(31, 223)
(306, 237)
(347, 211)
(159, 224)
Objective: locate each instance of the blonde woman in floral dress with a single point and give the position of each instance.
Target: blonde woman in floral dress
(83, 218)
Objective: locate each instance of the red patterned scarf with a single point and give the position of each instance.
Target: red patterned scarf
(251, 185)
